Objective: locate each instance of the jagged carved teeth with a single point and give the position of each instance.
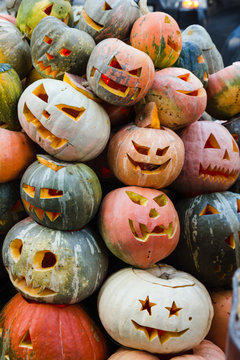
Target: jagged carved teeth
(48, 69)
(40, 212)
(157, 231)
(148, 168)
(163, 335)
(217, 174)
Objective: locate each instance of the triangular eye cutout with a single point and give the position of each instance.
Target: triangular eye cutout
(41, 92)
(200, 59)
(48, 9)
(26, 341)
(235, 147)
(136, 198)
(167, 20)
(136, 72)
(211, 143)
(161, 200)
(144, 150)
(106, 6)
(184, 77)
(238, 205)
(209, 210)
(114, 63)
(230, 241)
(226, 156)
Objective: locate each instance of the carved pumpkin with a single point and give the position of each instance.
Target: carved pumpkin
(54, 266)
(57, 48)
(146, 228)
(223, 92)
(233, 127)
(145, 156)
(30, 12)
(46, 331)
(108, 19)
(64, 122)
(14, 143)
(208, 246)
(119, 73)
(163, 42)
(211, 162)
(62, 196)
(179, 96)
(164, 310)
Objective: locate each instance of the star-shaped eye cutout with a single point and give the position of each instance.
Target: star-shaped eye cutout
(146, 305)
(173, 310)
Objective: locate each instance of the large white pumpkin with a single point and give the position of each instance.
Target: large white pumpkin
(160, 310)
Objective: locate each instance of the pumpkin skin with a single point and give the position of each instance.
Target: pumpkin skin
(54, 266)
(8, 17)
(62, 196)
(223, 92)
(191, 58)
(14, 49)
(211, 159)
(12, 6)
(201, 37)
(12, 143)
(63, 121)
(233, 127)
(158, 314)
(179, 96)
(112, 19)
(30, 12)
(57, 48)
(147, 230)
(43, 331)
(123, 354)
(209, 251)
(118, 73)
(164, 41)
(10, 92)
(146, 157)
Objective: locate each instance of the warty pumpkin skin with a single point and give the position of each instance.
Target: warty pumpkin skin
(43, 331)
(54, 266)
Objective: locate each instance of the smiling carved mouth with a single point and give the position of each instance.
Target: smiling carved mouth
(217, 174)
(47, 69)
(158, 230)
(147, 168)
(163, 335)
(40, 212)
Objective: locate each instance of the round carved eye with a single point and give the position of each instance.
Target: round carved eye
(16, 249)
(43, 260)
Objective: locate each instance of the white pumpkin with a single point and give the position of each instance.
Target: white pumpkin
(160, 310)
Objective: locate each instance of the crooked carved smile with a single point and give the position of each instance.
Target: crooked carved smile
(163, 335)
(217, 174)
(47, 69)
(113, 87)
(40, 212)
(90, 21)
(148, 168)
(157, 231)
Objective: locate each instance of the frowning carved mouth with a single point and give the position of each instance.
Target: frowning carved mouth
(163, 335)
(40, 212)
(147, 168)
(157, 231)
(217, 174)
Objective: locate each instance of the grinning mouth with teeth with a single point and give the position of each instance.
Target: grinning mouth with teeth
(157, 231)
(147, 168)
(217, 174)
(163, 335)
(40, 212)
(47, 69)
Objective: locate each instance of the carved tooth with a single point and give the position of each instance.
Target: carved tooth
(205, 176)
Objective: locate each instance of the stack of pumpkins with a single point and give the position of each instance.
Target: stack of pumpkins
(152, 83)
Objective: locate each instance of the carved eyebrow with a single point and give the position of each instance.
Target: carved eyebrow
(144, 150)
(137, 198)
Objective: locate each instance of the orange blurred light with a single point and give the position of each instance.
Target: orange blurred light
(190, 4)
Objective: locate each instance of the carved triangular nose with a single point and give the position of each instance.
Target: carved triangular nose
(226, 156)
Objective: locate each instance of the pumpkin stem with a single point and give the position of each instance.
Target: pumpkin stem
(143, 7)
(148, 116)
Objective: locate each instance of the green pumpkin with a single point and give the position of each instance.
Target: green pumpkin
(60, 195)
(54, 266)
(10, 92)
(31, 12)
(191, 58)
(56, 48)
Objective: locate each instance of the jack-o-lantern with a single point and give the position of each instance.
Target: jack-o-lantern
(57, 48)
(30, 330)
(62, 196)
(163, 42)
(119, 73)
(211, 162)
(179, 95)
(209, 239)
(148, 154)
(108, 19)
(63, 121)
(139, 225)
(233, 127)
(164, 310)
(54, 266)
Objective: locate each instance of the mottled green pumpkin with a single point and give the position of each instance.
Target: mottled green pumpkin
(30, 12)
(56, 48)
(10, 92)
(54, 266)
(60, 195)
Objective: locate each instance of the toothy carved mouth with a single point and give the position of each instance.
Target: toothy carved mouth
(217, 174)
(163, 335)
(40, 212)
(147, 168)
(113, 87)
(157, 231)
(47, 69)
